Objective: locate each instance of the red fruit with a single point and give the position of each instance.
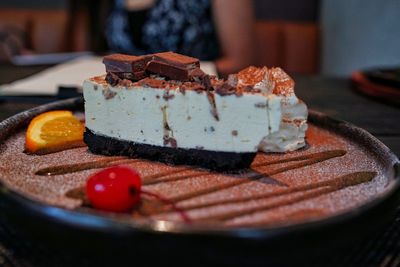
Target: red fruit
(115, 189)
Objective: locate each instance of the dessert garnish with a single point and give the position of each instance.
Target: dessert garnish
(54, 131)
(164, 107)
(119, 189)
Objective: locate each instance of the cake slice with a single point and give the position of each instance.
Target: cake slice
(176, 113)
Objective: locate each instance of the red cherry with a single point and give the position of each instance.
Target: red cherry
(115, 189)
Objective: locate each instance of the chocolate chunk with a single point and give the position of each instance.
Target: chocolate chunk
(168, 71)
(125, 63)
(173, 66)
(133, 76)
(177, 60)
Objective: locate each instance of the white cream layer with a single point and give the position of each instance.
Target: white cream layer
(293, 125)
(139, 114)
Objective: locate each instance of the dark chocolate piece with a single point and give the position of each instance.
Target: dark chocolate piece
(215, 160)
(125, 63)
(173, 66)
(133, 76)
(177, 60)
(168, 71)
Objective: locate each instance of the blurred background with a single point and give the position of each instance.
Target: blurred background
(331, 37)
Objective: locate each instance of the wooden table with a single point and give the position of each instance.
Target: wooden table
(329, 95)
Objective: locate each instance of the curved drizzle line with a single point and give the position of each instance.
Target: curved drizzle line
(310, 160)
(97, 164)
(329, 187)
(318, 188)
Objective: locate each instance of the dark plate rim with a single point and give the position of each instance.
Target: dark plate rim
(95, 221)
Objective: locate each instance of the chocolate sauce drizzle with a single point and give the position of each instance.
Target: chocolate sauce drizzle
(71, 168)
(307, 160)
(321, 188)
(297, 193)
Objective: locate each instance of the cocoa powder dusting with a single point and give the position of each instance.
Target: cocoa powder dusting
(280, 189)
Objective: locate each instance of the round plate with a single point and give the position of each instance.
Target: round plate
(161, 240)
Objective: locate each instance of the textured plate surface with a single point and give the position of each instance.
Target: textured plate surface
(371, 203)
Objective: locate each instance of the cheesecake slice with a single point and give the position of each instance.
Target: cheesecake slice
(163, 107)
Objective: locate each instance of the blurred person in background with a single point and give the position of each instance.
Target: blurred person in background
(213, 30)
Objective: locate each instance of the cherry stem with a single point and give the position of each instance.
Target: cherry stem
(166, 201)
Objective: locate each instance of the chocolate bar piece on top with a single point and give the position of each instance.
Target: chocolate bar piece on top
(172, 65)
(126, 66)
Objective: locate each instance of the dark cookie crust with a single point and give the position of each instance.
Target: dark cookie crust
(214, 160)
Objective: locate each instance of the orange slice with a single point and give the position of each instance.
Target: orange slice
(53, 131)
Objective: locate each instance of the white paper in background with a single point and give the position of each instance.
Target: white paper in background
(69, 74)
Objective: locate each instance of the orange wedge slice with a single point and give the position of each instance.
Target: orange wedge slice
(54, 131)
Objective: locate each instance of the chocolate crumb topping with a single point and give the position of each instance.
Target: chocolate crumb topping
(172, 70)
